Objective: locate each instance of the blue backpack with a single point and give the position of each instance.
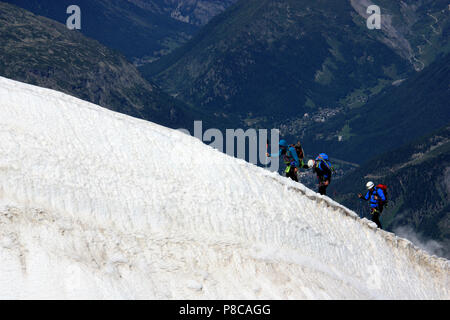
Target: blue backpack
(324, 158)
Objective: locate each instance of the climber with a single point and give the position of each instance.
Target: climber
(290, 158)
(323, 169)
(301, 154)
(377, 199)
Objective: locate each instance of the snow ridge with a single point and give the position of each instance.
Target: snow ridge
(96, 204)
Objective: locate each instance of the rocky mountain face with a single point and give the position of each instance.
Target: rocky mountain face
(418, 178)
(270, 62)
(416, 30)
(196, 12)
(43, 52)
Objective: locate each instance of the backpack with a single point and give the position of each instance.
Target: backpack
(323, 157)
(298, 148)
(385, 191)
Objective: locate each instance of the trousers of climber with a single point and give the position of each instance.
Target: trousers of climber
(290, 159)
(323, 170)
(376, 198)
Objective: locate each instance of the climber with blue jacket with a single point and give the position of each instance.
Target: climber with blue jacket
(323, 169)
(377, 199)
(290, 158)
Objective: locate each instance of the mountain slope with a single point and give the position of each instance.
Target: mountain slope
(95, 205)
(143, 30)
(43, 52)
(269, 61)
(118, 24)
(418, 176)
(394, 117)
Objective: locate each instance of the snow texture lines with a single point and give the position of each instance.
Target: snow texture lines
(96, 204)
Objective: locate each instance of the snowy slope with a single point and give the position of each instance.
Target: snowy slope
(95, 204)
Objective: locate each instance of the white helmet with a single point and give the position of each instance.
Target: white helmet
(370, 185)
(311, 163)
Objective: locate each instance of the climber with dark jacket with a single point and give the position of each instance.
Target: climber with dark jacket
(323, 170)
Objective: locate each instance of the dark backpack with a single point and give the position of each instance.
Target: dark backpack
(298, 148)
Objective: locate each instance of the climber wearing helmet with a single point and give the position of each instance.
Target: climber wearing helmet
(376, 198)
(323, 169)
(290, 158)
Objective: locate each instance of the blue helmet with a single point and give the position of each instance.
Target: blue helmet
(322, 156)
(283, 143)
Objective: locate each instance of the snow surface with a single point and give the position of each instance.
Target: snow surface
(98, 205)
